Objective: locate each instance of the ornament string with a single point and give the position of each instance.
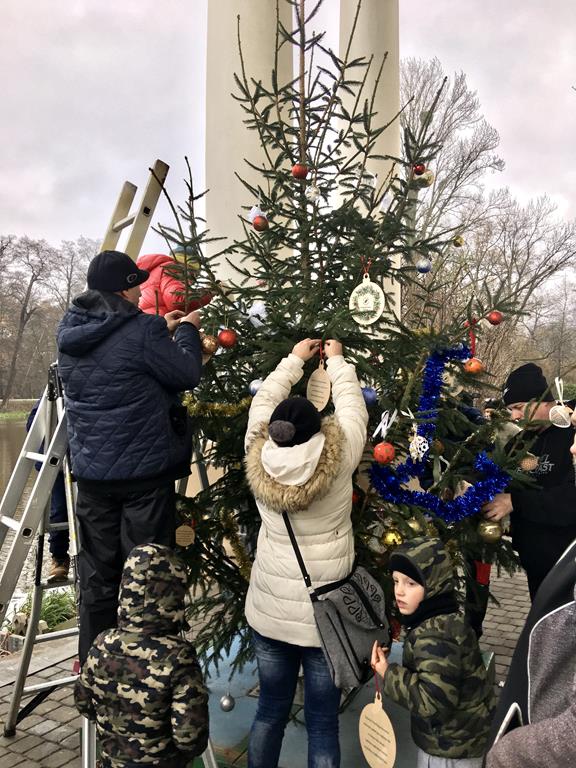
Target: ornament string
(365, 265)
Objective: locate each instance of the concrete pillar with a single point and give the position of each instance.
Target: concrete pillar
(228, 141)
(377, 32)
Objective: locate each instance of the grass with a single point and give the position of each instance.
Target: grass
(57, 606)
(13, 415)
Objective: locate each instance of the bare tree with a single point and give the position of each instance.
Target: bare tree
(28, 267)
(68, 276)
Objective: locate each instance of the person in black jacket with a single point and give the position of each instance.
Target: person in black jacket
(129, 435)
(543, 519)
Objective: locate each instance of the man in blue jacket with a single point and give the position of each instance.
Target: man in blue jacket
(129, 435)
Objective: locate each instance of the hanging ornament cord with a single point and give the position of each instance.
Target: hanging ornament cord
(365, 265)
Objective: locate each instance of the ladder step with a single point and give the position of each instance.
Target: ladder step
(53, 584)
(9, 522)
(41, 457)
(49, 684)
(47, 636)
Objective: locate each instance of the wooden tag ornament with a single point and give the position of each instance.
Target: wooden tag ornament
(318, 387)
(377, 737)
(366, 301)
(185, 535)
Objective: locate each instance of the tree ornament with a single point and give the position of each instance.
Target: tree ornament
(299, 171)
(458, 241)
(474, 366)
(185, 535)
(490, 531)
(227, 338)
(366, 301)
(431, 530)
(260, 223)
(529, 463)
(560, 414)
(312, 193)
(425, 180)
(319, 387)
(356, 496)
(437, 447)
(391, 538)
(384, 453)
(370, 395)
(227, 702)
(423, 265)
(254, 386)
(418, 169)
(418, 447)
(376, 735)
(495, 317)
(257, 314)
(209, 343)
(415, 526)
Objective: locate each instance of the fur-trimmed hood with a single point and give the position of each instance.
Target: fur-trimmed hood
(294, 498)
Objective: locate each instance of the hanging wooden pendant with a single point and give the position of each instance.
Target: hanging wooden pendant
(377, 737)
(366, 301)
(319, 387)
(185, 535)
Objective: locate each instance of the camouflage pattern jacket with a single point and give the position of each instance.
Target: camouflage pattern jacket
(442, 680)
(141, 682)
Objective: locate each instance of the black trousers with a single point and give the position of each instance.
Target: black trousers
(110, 525)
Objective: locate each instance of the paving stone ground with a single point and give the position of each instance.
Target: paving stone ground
(50, 738)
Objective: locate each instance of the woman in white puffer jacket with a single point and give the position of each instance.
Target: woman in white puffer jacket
(298, 462)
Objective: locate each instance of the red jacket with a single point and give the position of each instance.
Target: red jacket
(162, 292)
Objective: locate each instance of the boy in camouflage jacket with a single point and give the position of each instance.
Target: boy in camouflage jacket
(141, 682)
(442, 680)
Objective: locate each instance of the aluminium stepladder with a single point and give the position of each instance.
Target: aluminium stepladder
(38, 506)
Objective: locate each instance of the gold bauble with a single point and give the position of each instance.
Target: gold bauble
(415, 526)
(391, 538)
(437, 447)
(529, 463)
(431, 530)
(458, 241)
(490, 531)
(209, 344)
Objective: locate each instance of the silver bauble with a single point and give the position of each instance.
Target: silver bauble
(254, 386)
(227, 702)
(312, 193)
(423, 265)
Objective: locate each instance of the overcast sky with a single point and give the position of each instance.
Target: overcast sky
(92, 91)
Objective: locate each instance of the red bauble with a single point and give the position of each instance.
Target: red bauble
(468, 323)
(356, 497)
(396, 628)
(419, 169)
(260, 223)
(227, 338)
(300, 171)
(384, 453)
(473, 366)
(495, 317)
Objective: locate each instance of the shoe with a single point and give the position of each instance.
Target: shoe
(59, 569)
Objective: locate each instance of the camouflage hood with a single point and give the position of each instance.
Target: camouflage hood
(429, 559)
(154, 583)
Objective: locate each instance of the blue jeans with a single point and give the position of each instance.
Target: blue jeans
(278, 667)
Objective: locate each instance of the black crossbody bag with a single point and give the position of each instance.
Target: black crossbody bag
(350, 615)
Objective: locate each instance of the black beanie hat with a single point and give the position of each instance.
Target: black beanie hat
(526, 383)
(403, 564)
(293, 422)
(114, 271)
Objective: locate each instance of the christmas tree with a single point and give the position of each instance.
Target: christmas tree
(329, 231)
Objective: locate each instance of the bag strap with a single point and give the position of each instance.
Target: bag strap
(305, 575)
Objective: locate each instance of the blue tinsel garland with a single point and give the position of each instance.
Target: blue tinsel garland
(388, 482)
